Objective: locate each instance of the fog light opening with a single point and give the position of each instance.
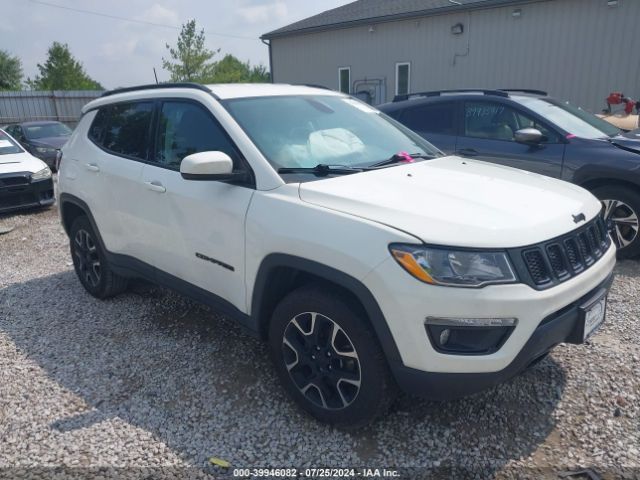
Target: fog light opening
(469, 336)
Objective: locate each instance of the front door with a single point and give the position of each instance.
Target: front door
(195, 228)
(488, 130)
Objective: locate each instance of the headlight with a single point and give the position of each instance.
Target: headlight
(45, 150)
(42, 174)
(458, 268)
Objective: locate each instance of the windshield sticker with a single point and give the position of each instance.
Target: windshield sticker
(480, 111)
(359, 105)
(5, 144)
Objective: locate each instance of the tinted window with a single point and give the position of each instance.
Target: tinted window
(185, 128)
(98, 126)
(497, 121)
(435, 118)
(124, 128)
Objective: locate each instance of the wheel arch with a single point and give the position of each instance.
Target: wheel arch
(280, 274)
(71, 207)
(597, 182)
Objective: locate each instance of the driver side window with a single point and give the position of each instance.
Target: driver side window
(185, 128)
(496, 121)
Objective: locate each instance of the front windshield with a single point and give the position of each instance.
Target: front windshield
(45, 130)
(572, 119)
(7, 145)
(309, 130)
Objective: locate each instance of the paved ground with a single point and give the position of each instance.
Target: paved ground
(150, 384)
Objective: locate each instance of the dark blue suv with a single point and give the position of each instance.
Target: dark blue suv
(527, 129)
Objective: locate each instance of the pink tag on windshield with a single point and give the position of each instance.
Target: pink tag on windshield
(405, 157)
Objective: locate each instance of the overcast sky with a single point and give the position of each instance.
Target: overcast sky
(120, 53)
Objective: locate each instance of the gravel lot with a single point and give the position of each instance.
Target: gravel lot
(150, 385)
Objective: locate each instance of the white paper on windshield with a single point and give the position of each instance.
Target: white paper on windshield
(332, 143)
(359, 105)
(5, 144)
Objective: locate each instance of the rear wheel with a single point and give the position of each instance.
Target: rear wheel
(621, 209)
(90, 262)
(328, 359)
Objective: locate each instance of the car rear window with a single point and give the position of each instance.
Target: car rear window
(7, 145)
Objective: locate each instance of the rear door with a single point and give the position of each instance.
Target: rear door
(488, 129)
(121, 134)
(435, 122)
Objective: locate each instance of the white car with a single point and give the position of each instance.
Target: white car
(368, 260)
(25, 181)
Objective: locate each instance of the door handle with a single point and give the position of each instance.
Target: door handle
(92, 167)
(467, 152)
(155, 186)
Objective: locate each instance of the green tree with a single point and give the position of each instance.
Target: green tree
(62, 71)
(10, 71)
(190, 60)
(231, 70)
(259, 74)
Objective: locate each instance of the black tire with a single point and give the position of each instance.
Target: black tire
(90, 262)
(342, 402)
(625, 235)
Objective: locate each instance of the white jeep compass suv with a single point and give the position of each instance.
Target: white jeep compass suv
(368, 260)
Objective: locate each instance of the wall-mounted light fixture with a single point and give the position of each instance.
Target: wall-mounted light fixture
(612, 3)
(517, 13)
(457, 29)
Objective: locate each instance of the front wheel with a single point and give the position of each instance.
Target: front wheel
(621, 209)
(328, 358)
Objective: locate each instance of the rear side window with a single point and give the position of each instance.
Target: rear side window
(185, 128)
(435, 118)
(124, 129)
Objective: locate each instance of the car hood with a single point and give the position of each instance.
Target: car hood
(20, 162)
(458, 202)
(630, 141)
(53, 142)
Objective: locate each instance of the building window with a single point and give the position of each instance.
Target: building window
(344, 79)
(403, 74)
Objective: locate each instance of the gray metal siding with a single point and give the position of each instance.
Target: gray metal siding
(578, 50)
(63, 106)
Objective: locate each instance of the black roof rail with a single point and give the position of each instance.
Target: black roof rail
(437, 93)
(154, 86)
(526, 90)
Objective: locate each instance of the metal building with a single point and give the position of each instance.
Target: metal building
(579, 50)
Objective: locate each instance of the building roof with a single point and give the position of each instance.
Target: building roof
(367, 11)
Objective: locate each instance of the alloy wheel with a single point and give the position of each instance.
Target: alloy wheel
(87, 259)
(622, 222)
(321, 360)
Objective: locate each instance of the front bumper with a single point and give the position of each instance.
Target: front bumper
(17, 191)
(406, 304)
(559, 327)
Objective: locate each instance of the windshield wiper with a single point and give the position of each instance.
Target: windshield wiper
(401, 158)
(322, 169)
